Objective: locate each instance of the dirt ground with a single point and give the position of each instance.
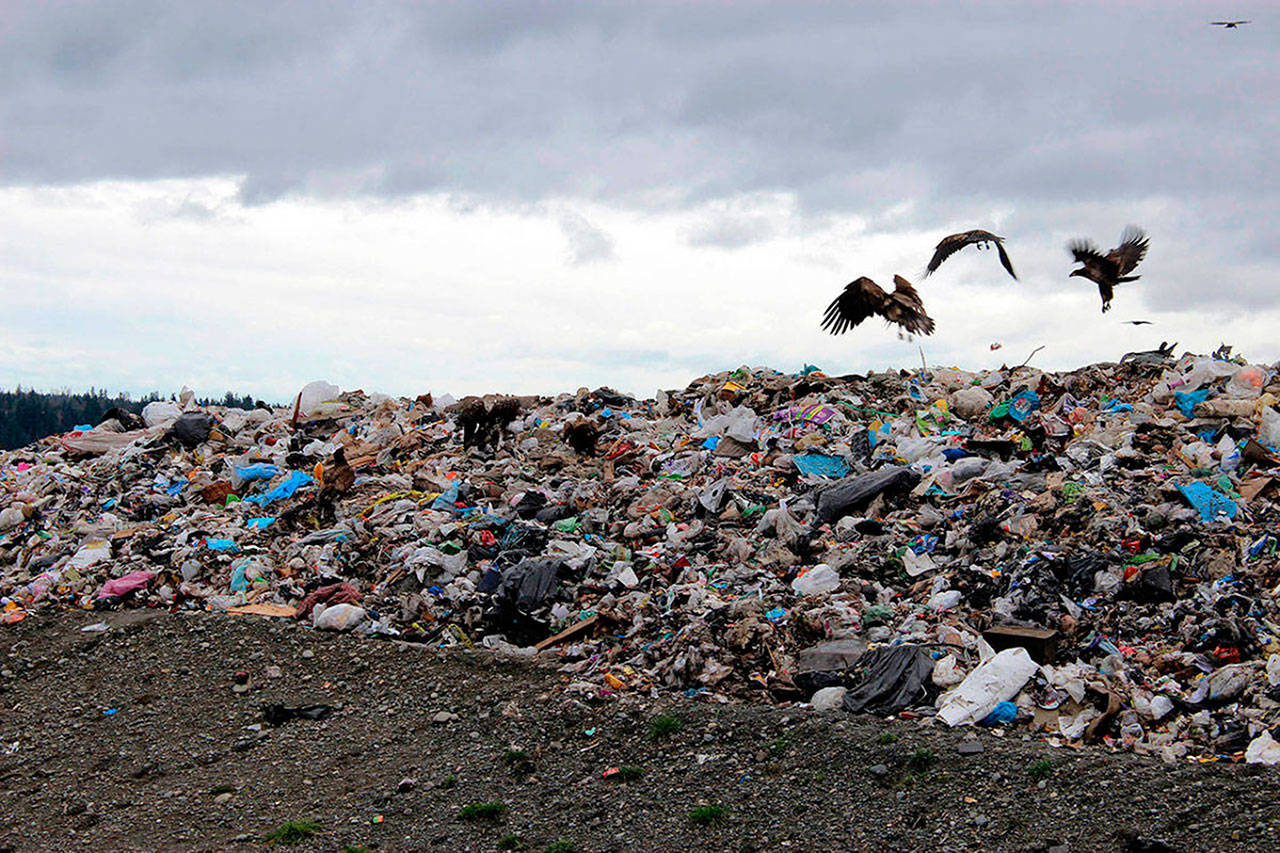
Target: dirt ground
(137, 738)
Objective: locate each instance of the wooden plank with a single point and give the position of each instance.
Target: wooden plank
(571, 631)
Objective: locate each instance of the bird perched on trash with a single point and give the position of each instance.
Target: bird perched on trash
(955, 242)
(1114, 267)
(1229, 25)
(862, 298)
(582, 436)
(336, 480)
(482, 426)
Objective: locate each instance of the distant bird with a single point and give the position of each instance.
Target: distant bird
(1110, 269)
(1230, 25)
(862, 298)
(954, 243)
(1138, 322)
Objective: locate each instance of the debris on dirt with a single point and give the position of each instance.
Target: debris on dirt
(1087, 555)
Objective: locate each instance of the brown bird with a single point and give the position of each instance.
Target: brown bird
(862, 297)
(1230, 25)
(954, 243)
(1110, 269)
(337, 480)
(582, 436)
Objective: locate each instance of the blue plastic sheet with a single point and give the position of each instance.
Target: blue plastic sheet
(1188, 400)
(257, 471)
(284, 489)
(1207, 501)
(712, 443)
(1023, 404)
(238, 581)
(260, 523)
(447, 498)
(821, 465)
(227, 546)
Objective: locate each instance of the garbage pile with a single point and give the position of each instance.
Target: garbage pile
(1089, 556)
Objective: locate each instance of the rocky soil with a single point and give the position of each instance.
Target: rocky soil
(140, 738)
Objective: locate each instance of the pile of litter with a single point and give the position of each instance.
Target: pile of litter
(1086, 556)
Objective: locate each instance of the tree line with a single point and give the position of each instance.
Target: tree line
(27, 416)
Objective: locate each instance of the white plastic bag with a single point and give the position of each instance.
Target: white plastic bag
(1262, 750)
(319, 398)
(821, 578)
(160, 412)
(828, 698)
(997, 680)
(339, 617)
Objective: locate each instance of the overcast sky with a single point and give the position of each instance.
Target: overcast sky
(533, 197)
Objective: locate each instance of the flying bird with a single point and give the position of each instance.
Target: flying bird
(1137, 322)
(862, 297)
(954, 243)
(1110, 269)
(1230, 25)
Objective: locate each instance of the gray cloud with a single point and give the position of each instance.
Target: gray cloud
(851, 107)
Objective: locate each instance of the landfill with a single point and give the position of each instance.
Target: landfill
(1084, 556)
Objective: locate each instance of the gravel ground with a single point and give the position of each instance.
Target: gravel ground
(138, 739)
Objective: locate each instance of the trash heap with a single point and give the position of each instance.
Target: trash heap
(1085, 555)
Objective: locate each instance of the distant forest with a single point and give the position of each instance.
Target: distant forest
(27, 416)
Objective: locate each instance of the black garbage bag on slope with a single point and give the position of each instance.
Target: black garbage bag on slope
(518, 593)
(895, 677)
(841, 498)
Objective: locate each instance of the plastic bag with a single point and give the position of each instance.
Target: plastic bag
(994, 681)
(894, 678)
(821, 578)
(338, 617)
(318, 399)
(1269, 433)
(160, 412)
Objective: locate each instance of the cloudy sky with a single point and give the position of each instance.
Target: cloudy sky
(532, 197)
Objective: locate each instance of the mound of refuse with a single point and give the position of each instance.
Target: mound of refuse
(1086, 555)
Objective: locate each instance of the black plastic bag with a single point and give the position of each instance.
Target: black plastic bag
(839, 499)
(895, 677)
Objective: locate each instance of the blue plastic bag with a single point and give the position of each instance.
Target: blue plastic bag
(821, 465)
(1188, 400)
(284, 489)
(226, 546)
(257, 471)
(1023, 404)
(1005, 712)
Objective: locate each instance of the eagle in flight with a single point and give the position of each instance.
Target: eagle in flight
(1114, 267)
(862, 298)
(955, 242)
(1229, 25)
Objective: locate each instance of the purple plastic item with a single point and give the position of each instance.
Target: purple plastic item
(125, 585)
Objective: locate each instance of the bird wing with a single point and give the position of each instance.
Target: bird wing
(1085, 252)
(861, 298)
(1131, 251)
(904, 307)
(953, 243)
(1004, 259)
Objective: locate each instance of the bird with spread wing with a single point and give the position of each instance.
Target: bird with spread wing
(1114, 267)
(863, 298)
(955, 242)
(1229, 25)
